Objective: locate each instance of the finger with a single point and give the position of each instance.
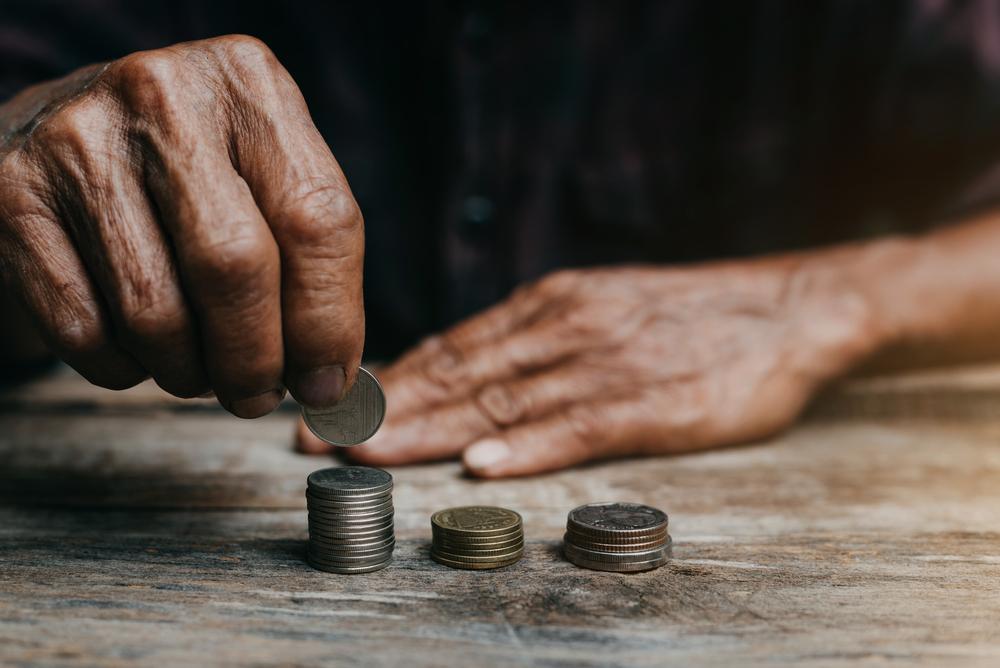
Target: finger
(42, 267)
(490, 325)
(583, 432)
(453, 373)
(229, 267)
(308, 443)
(308, 204)
(125, 251)
(440, 434)
(535, 395)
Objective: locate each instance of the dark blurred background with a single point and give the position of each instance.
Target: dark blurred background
(489, 143)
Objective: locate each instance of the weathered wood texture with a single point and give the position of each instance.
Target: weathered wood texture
(136, 529)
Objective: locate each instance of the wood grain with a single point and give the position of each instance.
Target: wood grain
(136, 530)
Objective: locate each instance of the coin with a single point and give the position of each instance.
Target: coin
(320, 543)
(476, 520)
(355, 418)
(347, 481)
(620, 557)
(617, 519)
(614, 546)
(337, 532)
(330, 502)
(340, 541)
(473, 566)
(349, 570)
(355, 514)
(356, 559)
(618, 567)
(476, 548)
(473, 541)
(321, 528)
(498, 555)
(625, 542)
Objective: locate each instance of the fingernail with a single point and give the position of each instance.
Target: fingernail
(254, 407)
(322, 387)
(486, 453)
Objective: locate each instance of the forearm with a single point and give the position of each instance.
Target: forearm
(933, 299)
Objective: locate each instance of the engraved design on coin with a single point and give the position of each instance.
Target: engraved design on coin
(355, 418)
(476, 518)
(348, 477)
(622, 516)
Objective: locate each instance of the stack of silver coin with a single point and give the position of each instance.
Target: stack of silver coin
(619, 537)
(350, 519)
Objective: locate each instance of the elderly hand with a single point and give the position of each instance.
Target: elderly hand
(176, 214)
(593, 364)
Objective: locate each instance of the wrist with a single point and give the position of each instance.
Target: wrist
(848, 304)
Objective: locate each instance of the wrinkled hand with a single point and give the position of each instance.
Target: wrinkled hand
(593, 364)
(175, 213)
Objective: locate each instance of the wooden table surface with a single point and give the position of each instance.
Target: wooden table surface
(140, 530)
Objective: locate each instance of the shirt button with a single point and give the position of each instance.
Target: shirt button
(478, 215)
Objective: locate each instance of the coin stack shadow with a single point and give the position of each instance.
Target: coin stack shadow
(350, 519)
(618, 537)
(477, 537)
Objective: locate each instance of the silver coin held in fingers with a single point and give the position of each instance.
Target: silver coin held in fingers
(355, 418)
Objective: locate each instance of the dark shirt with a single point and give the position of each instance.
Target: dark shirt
(488, 144)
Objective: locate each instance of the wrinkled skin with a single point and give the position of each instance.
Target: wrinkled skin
(176, 214)
(604, 363)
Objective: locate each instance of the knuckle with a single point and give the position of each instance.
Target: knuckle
(321, 213)
(586, 425)
(75, 125)
(558, 282)
(149, 70)
(148, 317)
(233, 262)
(244, 47)
(445, 371)
(150, 84)
(500, 405)
(247, 55)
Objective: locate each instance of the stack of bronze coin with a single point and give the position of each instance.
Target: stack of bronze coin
(350, 519)
(619, 537)
(477, 537)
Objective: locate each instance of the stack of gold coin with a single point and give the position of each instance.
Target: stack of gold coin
(477, 537)
(350, 519)
(619, 537)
